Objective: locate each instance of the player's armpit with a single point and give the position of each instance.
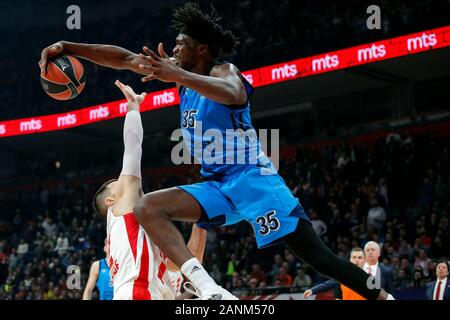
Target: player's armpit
(128, 185)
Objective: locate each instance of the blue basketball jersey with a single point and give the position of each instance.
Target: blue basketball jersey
(240, 181)
(220, 137)
(105, 289)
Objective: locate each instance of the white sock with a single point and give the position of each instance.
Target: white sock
(195, 272)
(390, 297)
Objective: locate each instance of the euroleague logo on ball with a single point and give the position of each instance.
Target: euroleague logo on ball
(64, 79)
(63, 64)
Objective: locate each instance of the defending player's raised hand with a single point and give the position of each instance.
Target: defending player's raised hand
(160, 67)
(134, 100)
(49, 53)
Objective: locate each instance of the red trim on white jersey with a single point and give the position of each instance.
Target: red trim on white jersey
(132, 232)
(138, 268)
(140, 285)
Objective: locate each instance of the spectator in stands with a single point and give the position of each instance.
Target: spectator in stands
(405, 249)
(216, 274)
(440, 289)
(50, 294)
(233, 265)
(422, 262)
(62, 244)
(318, 225)
(302, 279)
(258, 274)
(402, 281)
(419, 280)
(291, 262)
(283, 278)
(278, 261)
(22, 249)
(376, 216)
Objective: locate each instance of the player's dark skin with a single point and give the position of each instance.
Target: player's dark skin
(194, 67)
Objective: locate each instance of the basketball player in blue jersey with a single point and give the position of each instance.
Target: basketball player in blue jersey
(214, 95)
(99, 276)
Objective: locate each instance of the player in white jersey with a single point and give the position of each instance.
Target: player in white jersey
(139, 270)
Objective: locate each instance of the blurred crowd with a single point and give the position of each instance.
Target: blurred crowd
(394, 192)
(270, 31)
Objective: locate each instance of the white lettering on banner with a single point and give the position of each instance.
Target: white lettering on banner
(248, 77)
(123, 107)
(425, 41)
(67, 120)
(163, 98)
(373, 52)
(286, 71)
(30, 125)
(99, 113)
(2, 128)
(326, 62)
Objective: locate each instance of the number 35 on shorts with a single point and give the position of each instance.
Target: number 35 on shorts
(268, 223)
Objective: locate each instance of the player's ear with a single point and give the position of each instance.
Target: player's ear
(203, 49)
(109, 201)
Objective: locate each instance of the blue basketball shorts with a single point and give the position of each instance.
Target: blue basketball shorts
(263, 200)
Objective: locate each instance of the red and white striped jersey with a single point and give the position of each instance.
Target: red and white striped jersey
(138, 269)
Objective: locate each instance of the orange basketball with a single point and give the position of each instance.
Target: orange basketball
(65, 78)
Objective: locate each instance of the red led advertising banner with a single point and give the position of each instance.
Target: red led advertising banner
(340, 59)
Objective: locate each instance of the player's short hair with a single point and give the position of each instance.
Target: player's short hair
(204, 28)
(357, 249)
(98, 199)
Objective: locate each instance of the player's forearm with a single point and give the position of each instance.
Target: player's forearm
(106, 55)
(133, 134)
(213, 88)
(87, 294)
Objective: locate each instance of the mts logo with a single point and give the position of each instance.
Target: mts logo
(67, 120)
(372, 52)
(30, 125)
(2, 128)
(425, 41)
(248, 77)
(163, 98)
(286, 71)
(326, 62)
(99, 113)
(123, 107)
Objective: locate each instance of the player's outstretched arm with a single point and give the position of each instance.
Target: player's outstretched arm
(92, 280)
(129, 184)
(102, 54)
(196, 245)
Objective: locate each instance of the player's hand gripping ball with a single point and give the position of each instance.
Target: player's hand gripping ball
(64, 79)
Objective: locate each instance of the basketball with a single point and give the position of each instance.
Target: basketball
(65, 78)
